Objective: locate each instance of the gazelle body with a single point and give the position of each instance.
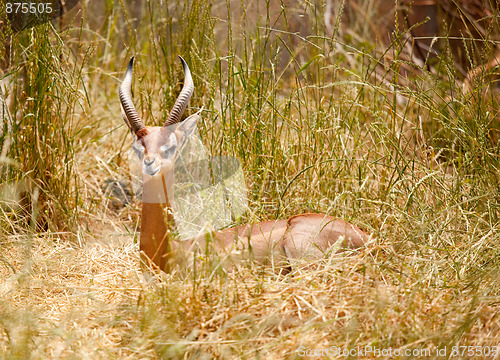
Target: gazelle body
(279, 241)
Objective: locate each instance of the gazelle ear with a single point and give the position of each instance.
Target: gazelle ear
(186, 128)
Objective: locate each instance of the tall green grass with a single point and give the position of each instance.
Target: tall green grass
(45, 95)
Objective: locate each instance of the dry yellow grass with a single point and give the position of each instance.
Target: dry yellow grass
(93, 302)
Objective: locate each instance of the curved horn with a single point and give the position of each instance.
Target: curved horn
(134, 121)
(183, 99)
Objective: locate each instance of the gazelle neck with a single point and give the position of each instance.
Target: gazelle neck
(157, 221)
(156, 234)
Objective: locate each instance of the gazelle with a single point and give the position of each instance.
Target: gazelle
(305, 235)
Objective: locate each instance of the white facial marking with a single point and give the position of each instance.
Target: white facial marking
(138, 149)
(168, 150)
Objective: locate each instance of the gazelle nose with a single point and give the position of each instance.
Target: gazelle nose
(149, 160)
(151, 166)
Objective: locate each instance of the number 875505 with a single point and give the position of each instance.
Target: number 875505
(31, 8)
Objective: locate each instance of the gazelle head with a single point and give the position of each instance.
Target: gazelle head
(156, 147)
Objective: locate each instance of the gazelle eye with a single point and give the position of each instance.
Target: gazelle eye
(168, 151)
(138, 149)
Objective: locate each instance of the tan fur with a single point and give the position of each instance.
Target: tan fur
(154, 241)
(313, 235)
(305, 236)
